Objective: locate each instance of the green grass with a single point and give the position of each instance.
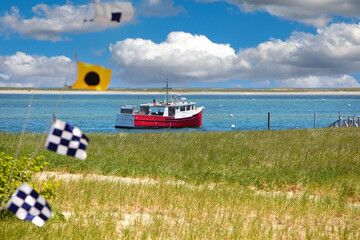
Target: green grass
(261, 158)
(292, 184)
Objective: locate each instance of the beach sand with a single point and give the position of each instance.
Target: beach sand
(324, 92)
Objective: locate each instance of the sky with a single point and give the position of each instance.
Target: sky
(193, 43)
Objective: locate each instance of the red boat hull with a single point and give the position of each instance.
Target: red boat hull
(149, 121)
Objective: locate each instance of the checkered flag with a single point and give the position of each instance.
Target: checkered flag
(65, 139)
(28, 205)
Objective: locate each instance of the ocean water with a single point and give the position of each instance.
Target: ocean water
(96, 113)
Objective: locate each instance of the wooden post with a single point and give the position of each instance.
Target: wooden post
(339, 120)
(353, 121)
(268, 120)
(315, 120)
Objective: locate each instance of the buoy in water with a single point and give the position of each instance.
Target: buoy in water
(232, 125)
(349, 104)
(231, 115)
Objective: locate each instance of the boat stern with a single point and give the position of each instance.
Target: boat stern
(124, 121)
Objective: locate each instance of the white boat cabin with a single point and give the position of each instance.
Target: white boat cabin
(166, 109)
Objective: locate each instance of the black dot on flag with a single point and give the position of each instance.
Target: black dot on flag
(92, 79)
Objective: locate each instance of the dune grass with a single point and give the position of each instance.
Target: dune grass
(288, 184)
(92, 209)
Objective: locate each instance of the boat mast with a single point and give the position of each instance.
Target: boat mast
(166, 88)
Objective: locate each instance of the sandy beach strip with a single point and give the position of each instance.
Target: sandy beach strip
(178, 93)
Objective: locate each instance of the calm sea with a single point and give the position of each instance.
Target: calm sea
(96, 113)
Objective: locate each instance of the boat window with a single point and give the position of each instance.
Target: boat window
(171, 111)
(144, 109)
(188, 107)
(182, 108)
(157, 111)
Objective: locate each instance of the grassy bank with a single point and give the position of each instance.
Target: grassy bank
(294, 184)
(261, 158)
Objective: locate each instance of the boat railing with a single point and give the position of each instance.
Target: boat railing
(128, 109)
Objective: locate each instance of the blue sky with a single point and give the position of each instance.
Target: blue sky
(203, 43)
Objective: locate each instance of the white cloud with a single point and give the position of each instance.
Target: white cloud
(344, 81)
(313, 12)
(324, 59)
(4, 77)
(22, 70)
(51, 22)
(334, 50)
(182, 56)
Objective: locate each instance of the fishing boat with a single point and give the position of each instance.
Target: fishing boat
(170, 113)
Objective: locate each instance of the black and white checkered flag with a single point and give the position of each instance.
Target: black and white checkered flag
(65, 139)
(28, 205)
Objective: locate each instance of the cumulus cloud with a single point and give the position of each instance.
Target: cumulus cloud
(315, 13)
(182, 56)
(22, 70)
(325, 59)
(51, 22)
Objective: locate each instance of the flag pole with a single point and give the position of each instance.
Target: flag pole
(52, 119)
(6, 193)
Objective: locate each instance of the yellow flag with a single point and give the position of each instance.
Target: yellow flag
(92, 77)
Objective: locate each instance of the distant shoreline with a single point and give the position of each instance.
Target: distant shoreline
(313, 92)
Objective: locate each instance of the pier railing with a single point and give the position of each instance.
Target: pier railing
(350, 121)
(343, 122)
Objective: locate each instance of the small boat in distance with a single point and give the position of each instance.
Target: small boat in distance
(171, 113)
